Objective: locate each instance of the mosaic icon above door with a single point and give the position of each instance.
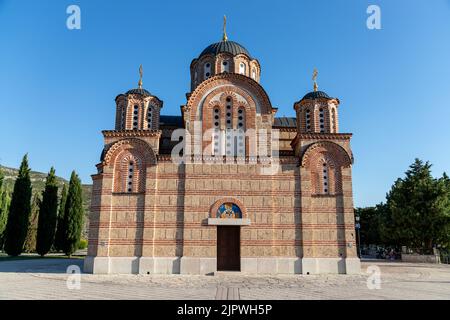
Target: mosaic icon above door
(229, 211)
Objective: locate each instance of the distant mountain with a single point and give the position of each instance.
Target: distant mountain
(38, 184)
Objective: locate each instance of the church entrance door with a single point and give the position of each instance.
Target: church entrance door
(228, 248)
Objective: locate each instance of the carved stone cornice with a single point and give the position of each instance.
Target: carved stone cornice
(131, 133)
(320, 136)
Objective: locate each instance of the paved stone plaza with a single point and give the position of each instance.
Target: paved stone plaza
(46, 279)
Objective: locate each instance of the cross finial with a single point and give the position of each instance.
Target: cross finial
(315, 73)
(141, 73)
(224, 38)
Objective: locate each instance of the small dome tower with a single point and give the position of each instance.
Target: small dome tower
(317, 112)
(138, 109)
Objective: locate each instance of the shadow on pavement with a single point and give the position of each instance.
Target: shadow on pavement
(39, 265)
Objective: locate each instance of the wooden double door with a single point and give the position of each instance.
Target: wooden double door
(228, 248)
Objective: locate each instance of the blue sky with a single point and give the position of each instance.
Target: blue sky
(58, 86)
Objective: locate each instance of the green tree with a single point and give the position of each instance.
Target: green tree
(19, 211)
(4, 208)
(73, 216)
(48, 215)
(30, 241)
(418, 210)
(369, 225)
(4, 204)
(59, 236)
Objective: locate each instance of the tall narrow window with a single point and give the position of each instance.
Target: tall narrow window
(225, 66)
(207, 70)
(254, 74)
(240, 133)
(150, 117)
(325, 178)
(229, 127)
(322, 120)
(129, 180)
(308, 120)
(216, 131)
(122, 118)
(242, 68)
(135, 117)
(333, 120)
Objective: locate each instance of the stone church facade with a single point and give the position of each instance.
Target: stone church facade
(241, 190)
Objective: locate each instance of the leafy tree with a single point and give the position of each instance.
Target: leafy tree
(418, 210)
(73, 216)
(30, 240)
(369, 225)
(48, 215)
(19, 211)
(59, 237)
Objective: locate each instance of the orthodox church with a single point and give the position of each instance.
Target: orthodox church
(226, 185)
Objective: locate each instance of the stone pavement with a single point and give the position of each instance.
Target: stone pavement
(47, 279)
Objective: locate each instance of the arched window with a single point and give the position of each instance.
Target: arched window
(207, 70)
(225, 66)
(308, 120)
(322, 120)
(229, 210)
(229, 143)
(254, 74)
(122, 118)
(150, 117)
(325, 180)
(242, 68)
(216, 131)
(240, 136)
(130, 174)
(333, 120)
(135, 117)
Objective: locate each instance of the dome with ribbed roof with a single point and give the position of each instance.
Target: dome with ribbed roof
(316, 95)
(139, 91)
(225, 46)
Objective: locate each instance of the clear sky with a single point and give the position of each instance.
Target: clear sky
(57, 86)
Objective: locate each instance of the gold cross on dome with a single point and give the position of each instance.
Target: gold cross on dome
(315, 73)
(141, 73)
(224, 38)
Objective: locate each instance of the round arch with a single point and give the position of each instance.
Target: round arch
(336, 153)
(133, 144)
(216, 205)
(247, 86)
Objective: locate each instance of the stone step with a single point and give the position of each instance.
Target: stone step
(228, 273)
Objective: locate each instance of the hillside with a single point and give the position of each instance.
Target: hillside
(38, 184)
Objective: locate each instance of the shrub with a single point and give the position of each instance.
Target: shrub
(82, 244)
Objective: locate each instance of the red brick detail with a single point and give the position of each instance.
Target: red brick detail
(140, 146)
(329, 149)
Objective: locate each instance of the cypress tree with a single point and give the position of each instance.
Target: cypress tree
(19, 211)
(59, 237)
(3, 208)
(30, 240)
(48, 215)
(73, 216)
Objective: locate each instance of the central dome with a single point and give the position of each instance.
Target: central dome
(225, 46)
